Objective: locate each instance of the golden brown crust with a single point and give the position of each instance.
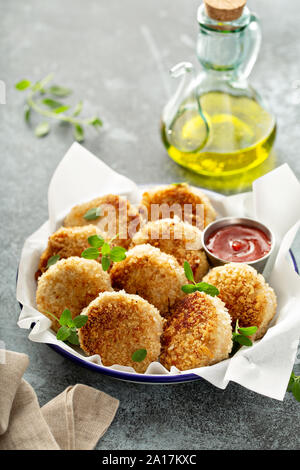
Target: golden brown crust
(176, 238)
(117, 215)
(66, 242)
(246, 294)
(118, 325)
(202, 212)
(152, 274)
(197, 334)
(70, 283)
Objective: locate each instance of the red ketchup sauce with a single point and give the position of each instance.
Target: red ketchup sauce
(239, 243)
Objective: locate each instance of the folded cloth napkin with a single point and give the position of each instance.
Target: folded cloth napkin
(74, 420)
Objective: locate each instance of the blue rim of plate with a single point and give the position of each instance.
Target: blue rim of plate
(135, 377)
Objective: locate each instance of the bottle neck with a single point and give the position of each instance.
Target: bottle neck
(221, 46)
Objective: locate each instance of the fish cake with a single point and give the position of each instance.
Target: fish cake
(66, 242)
(152, 274)
(70, 283)
(246, 294)
(188, 203)
(198, 333)
(116, 217)
(176, 238)
(118, 325)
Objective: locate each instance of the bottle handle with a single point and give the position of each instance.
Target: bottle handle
(253, 47)
(183, 70)
(174, 110)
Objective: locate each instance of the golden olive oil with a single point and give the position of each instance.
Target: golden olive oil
(241, 134)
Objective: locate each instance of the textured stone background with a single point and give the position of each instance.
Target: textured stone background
(116, 56)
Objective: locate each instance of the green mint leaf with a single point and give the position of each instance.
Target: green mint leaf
(96, 241)
(291, 382)
(80, 321)
(247, 331)
(179, 184)
(96, 122)
(52, 103)
(243, 340)
(63, 333)
(78, 108)
(118, 253)
(105, 262)
(188, 271)
(62, 109)
(27, 111)
(59, 91)
(296, 389)
(22, 85)
(188, 288)
(139, 355)
(90, 253)
(52, 260)
(42, 129)
(207, 288)
(73, 338)
(105, 250)
(78, 133)
(66, 318)
(93, 213)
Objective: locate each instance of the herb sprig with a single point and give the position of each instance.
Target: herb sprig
(98, 246)
(139, 355)
(241, 334)
(69, 326)
(294, 386)
(200, 286)
(52, 260)
(46, 101)
(93, 213)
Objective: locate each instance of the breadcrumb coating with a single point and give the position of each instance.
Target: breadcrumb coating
(176, 238)
(66, 242)
(248, 297)
(70, 283)
(197, 334)
(152, 274)
(117, 216)
(118, 325)
(200, 212)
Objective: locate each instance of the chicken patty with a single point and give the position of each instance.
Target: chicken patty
(70, 283)
(152, 274)
(176, 238)
(197, 334)
(118, 325)
(248, 297)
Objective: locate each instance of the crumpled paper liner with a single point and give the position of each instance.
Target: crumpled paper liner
(266, 366)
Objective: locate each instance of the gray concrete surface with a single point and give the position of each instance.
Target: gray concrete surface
(116, 55)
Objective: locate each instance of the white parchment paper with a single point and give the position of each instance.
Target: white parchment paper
(266, 366)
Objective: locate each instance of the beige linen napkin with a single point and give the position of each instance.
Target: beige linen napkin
(75, 419)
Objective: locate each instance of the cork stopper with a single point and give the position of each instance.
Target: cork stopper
(224, 10)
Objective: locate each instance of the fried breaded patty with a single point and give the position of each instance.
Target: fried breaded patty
(248, 297)
(197, 334)
(189, 204)
(152, 274)
(116, 217)
(66, 242)
(176, 238)
(118, 325)
(70, 283)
